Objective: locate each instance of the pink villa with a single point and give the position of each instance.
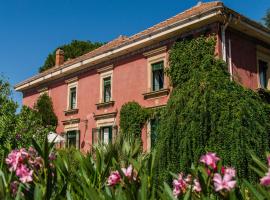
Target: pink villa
(88, 91)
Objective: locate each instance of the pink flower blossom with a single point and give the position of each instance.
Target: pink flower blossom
(128, 171)
(24, 174)
(197, 186)
(210, 159)
(14, 187)
(12, 160)
(114, 178)
(225, 183)
(230, 171)
(179, 185)
(265, 181)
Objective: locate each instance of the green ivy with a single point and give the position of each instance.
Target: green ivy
(132, 119)
(208, 112)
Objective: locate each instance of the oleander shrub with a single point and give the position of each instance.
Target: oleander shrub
(208, 112)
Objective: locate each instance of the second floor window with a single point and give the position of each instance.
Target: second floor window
(72, 97)
(107, 89)
(263, 74)
(157, 76)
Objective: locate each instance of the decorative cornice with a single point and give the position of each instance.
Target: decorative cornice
(44, 89)
(71, 111)
(71, 121)
(105, 116)
(104, 104)
(155, 94)
(155, 51)
(71, 80)
(105, 69)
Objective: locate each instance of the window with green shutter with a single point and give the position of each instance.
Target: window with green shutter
(72, 97)
(106, 134)
(73, 139)
(107, 89)
(157, 76)
(154, 133)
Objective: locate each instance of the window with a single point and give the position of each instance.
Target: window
(153, 131)
(263, 67)
(103, 134)
(107, 89)
(73, 139)
(157, 76)
(72, 97)
(106, 134)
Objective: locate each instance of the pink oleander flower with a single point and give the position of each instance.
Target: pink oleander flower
(230, 171)
(197, 186)
(12, 160)
(179, 185)
(127, 171)
(210, 159)
(225, 183)
(24, 174)
(265, 181)
(114, 178)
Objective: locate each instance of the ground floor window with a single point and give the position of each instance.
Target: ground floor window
(103, 134)
(153, 131)
(73, 139)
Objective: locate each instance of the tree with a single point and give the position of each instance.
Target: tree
(74, 49)
(266, 19)
(44, 108)
(208, 112)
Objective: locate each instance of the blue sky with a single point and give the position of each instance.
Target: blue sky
(30, 29)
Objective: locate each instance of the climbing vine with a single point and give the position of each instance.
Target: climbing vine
(208, 112)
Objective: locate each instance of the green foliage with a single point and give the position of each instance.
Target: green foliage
(132, 119)
(266, 19)
(208, 112)
(44, 107)
(74, 49)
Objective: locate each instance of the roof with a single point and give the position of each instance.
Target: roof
(122, 41)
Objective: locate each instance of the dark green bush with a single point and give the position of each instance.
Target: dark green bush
(208, 112)
(132, 119)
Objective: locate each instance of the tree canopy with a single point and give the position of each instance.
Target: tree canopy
(208, 112)
(74, 49)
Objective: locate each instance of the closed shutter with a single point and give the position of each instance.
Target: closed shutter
(114, 132)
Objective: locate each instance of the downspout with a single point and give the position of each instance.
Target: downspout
(223, 44)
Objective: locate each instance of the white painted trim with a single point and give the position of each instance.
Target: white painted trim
(119, 50)
(264, 55)
(152, 60)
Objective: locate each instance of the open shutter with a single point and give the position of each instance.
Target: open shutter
(96, 136)
(78, 139)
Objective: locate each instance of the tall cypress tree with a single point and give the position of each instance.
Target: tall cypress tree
(44, 107)
(208, 112)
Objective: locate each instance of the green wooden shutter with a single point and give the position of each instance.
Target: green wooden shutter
(78, 139)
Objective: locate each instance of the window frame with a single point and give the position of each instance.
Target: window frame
(153, 76)
(77, 138)
(264, 56)
(155, 56)
(70, 87)
(105, 100)
(104, 75)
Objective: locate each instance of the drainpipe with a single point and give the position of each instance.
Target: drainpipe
(223, 44)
